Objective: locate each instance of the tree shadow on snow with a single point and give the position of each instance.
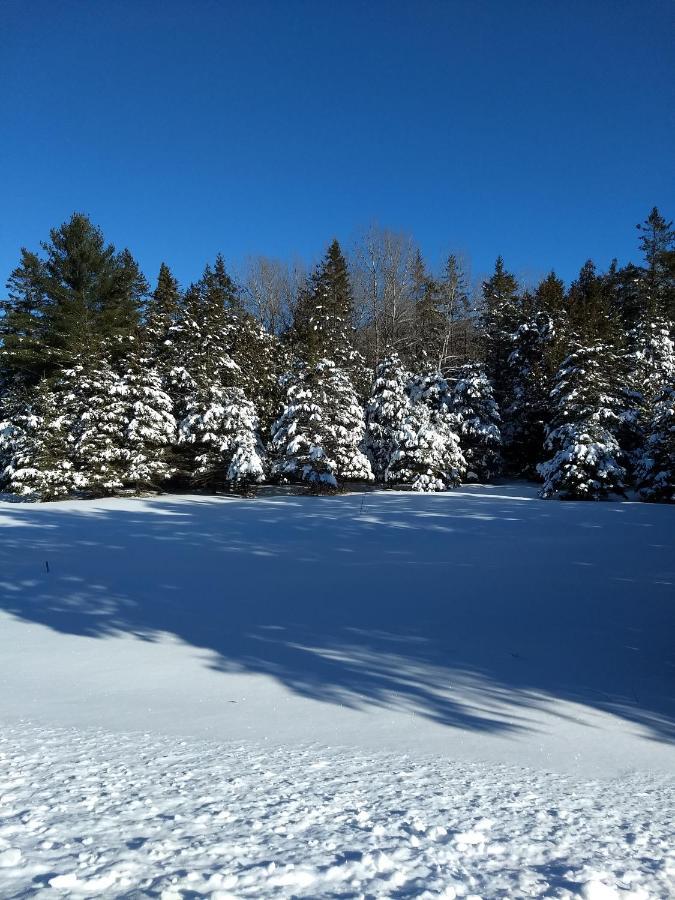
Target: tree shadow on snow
(469, 608)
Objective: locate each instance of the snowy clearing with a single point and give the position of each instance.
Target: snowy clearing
(520, 652)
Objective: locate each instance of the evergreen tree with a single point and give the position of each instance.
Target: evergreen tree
(386, 409)
(529, 386)
(81, 294)
(476, 414)
(657, 242)
(98, 430)
(589, 307)
(36, 448)
(500, 316)
(323, 317)
(429, 323)
(150, 428)
(649, 368)
(299, 434)
(161, 316)
(586, 458)
(655, 474)
(222, 428)
(426, 453)
(259, 358)
(319, 436)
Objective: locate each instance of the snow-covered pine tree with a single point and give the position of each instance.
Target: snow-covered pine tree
(387, 407)
(586, 457)
(423, 453)
(98, 430)
(655, 473)
(346, 425)
(299, 433)
(36, 448)
(477, 422)
(199, 344)
(161, 315)
(319, 438)
(434, 392)
(260, 359)
(500, 315)
(221, 426)
(528, 377)
(150, 428)
(649, 367)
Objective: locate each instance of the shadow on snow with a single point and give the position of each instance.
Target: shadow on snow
(469, 608)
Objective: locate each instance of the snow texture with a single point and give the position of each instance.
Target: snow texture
(86, 814)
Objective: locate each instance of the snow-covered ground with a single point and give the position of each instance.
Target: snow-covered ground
(90, 813)
(391, 693)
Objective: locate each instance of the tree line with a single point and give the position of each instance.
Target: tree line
(368, 368)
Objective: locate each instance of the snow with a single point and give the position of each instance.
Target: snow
(86, 813)
(379, 694)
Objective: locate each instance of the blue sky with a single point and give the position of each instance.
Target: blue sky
(539, 130)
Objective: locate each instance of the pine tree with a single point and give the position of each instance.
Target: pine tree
(98, 428)
(429, 323)
(477, 418)
(318, 438)
(299, 433)
(655, 473)
(529, 385)
(36, 448)
(425, 456)
(80, 295)
(500, 316)
(586, 458)
(657, 243)
(222, 429)
(161, 316)
(386, 409)
(150, 428)
(345, 441)
(323, 317)
(649, 368)
(589, 304)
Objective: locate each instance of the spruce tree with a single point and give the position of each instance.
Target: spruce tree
(586, 462)
(150, 427)
(161, 316)
(657, 242)
(98, 430)
(36, 448)
(319, 437)
(323, 317)
(426, 453)
(388, 405)
(429, 324)
(299, 434)
(476, 414)
(222, 429)
(529, 385)
(655, 475)
(500, 316)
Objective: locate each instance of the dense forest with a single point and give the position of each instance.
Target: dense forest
(369, 368)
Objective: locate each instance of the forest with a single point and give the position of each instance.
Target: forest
(368, 368)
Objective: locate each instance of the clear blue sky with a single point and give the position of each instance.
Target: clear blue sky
(539, 130)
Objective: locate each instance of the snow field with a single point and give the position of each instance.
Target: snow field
(87, 813)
